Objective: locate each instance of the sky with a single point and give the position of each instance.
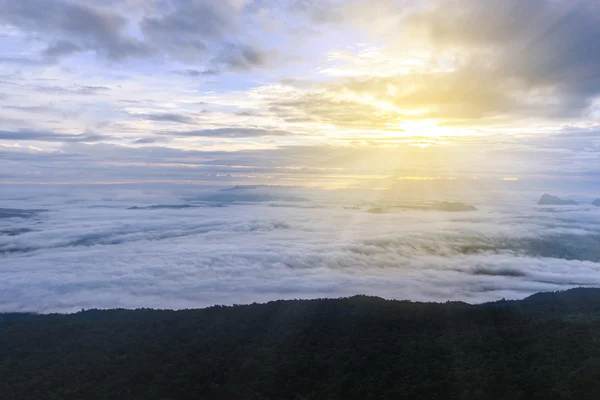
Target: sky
(330, 93)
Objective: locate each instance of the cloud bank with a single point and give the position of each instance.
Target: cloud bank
(90, 249)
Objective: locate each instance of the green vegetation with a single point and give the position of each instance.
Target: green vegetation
(544, 347)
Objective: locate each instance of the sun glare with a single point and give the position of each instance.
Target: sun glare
(430, 128)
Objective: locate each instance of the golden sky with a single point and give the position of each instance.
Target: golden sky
(372, 87)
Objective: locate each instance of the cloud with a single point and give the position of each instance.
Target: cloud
(317, 11)
(29, 109)
(231, 132)
(196, 72)
(475, 64)
(73, 27)
(353, 96)
(184, 30)
(533, 49)
(145, 140)
(441, 167)
(73, 89)
(190, 28)
(240, 57)
(21, 61)
(165, 117)
(61, 48)
(195, 256)
(326, 107)
(42, 136)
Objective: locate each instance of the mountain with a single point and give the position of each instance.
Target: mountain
(445, 206)
(549, 200)
(573, 304)
(542, 347)
(596, 203)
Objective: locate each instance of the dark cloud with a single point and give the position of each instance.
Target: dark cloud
(7, 82)
(165, 117)
(29, 109)
(44, 136)
(184, 30)
(61, 48)
(74, 89)
(232, 132)
(201, 31)
(21, 61)
(71, 27)
(91, 89)
(240, 57)
(541, 46)
(29, 157)
(397, 159)
(316, 11)
(145, 141)
(196, 72)
(131, 101)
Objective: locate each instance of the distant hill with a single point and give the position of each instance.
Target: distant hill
(549, 200)
(543, 347)
(579, 303)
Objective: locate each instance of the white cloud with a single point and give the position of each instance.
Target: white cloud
(89, 250)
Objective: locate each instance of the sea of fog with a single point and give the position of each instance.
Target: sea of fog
(66, 247)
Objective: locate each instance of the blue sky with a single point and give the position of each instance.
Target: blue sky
(332, 93)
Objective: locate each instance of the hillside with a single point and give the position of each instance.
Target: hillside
(542, 347)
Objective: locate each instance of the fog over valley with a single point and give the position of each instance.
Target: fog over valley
(67, 247)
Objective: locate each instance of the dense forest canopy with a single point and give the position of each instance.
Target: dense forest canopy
(544, 347)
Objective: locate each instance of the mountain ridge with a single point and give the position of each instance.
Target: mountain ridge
(569, 298)
(355, 348)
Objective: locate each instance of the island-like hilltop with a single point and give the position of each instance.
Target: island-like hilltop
(549, 200)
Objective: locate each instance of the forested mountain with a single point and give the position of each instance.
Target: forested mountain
(544, 347)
